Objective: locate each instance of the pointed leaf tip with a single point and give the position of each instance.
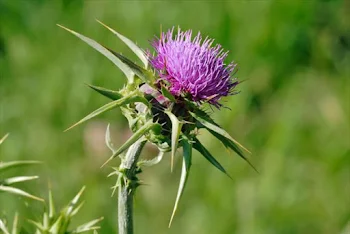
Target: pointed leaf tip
(125, 69)
(136, 49)
(202, 150)
(105, 108)
(4, 138)
(186, 165)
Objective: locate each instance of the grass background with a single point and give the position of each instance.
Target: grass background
(292, 112)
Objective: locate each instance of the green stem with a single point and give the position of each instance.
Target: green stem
(127, 187)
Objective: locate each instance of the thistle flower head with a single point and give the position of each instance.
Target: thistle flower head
(193, 68)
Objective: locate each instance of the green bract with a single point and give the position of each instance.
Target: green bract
(155, 115)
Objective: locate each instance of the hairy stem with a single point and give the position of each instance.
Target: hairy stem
(127, 188)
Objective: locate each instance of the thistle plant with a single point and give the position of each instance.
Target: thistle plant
(164, 102)
(6, 184)
(58, 223)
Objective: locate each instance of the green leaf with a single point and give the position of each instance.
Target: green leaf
(144, 74)
(186, 165)
(136, 136)
(19, 192)
(176, 126)
(201, 149)
(109, 106)
(17, 179)
(230, 144)
(125, 69)
(211, 125)
(4, 138)
(88, 226)
(111, 94)
(8, 165)
(137, 50)
(167, 94)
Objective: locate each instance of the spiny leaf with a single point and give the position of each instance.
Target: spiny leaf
(186, 165)
(125, 69)
(137, 135)
(176, 126)
(230, 144)
(19, 192)
(111, 94)
(201, 149)
(209, 124)
(144, 74)
(17, 179)
(88, 226)
(8, 165)
(109, 106)
(137, 50)
(4, 138)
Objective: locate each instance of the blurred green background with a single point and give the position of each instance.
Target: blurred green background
(292, 112)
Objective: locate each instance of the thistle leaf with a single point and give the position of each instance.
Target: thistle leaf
(111, 94)
(8, 165)
(125, 69)
(18, 179)
(89, 226)
(144, 74)
(201, 149)
(186, 165)
(211, 125)
(136, 136)
(231, 145)
(176, 126)
(4, 138)
(3, 227)
(14, 224)
(109, 106)
(19, 192)
(137, 50)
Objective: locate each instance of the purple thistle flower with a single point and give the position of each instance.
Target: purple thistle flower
(193, 68)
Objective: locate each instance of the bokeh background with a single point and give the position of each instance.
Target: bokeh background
(292, 112)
